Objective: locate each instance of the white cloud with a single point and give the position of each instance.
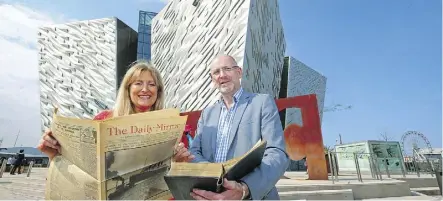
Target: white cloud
(19, 85)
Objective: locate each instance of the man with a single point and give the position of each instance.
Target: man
(10, 161)
(231, 127)
(18, 162)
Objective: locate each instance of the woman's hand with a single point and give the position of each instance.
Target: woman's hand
(181, 154)
(49, 145)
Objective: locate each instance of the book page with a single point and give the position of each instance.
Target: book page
(78, 140)
(137, 153)
(230, 163)
(196, 169)
(68, 182)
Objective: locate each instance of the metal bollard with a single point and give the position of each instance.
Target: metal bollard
(387, 169)
(438, 174)
(431, 166)
(378, 169)
(371, 167)
(401, 162)
(29, 168)
(2, 168)
(359, 170)
(408, 168)
(374, 167)
(334, 159)
(330, 166)
(417, 169)
(357, 167)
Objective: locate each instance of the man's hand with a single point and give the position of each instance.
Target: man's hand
(234, 191)
(181, 154)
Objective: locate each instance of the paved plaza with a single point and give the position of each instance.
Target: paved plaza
(20, 187)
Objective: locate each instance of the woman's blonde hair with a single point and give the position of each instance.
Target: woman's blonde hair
(123, 105)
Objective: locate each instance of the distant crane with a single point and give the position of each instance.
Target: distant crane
(336, 108)
(16, 137)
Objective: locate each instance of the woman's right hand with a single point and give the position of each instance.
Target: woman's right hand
(49, 145)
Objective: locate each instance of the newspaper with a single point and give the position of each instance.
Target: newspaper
(115, 159)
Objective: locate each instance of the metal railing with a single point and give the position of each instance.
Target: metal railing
(28, 168)
(377, 167)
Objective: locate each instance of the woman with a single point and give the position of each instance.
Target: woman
(141, 90)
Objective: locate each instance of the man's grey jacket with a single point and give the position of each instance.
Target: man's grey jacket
(256, 118)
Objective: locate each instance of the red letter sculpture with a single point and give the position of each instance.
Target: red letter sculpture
(305, 140)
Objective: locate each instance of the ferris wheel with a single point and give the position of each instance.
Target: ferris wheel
(413, 142)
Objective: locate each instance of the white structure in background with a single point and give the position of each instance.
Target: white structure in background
(188, 34)
(433, 154)
(81, 65)
(301, 80)
(382, 153)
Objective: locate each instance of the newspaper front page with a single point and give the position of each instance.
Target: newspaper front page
(120, 158)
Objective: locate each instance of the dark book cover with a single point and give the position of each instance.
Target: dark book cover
(183, 177)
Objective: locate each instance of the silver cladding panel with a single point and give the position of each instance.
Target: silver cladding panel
(303, 80)
(185, 39)
(77, 67)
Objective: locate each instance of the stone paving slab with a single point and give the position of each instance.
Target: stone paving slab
(20, 187)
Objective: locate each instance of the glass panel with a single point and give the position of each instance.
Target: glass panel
(141, 18)
(148, 20)
(392, 151)
(150, 16)
(140, 47)
(146, 48)
(142, 29)
(139, 56)
(379, 150)
(146, 37)
(148, 29)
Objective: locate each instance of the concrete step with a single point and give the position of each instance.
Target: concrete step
(420, 182)
(431, 191)
(405, 198)
(365, 190)
(345, 194)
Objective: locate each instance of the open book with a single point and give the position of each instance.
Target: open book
(183, 177)
(115, 159)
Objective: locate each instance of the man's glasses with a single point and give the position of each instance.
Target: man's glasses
(216, 72)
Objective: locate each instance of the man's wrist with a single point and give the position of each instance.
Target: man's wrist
(245, 189)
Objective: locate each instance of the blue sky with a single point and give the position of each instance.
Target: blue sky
(382, 57)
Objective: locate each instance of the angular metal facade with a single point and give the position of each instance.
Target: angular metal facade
(144, 35)
(81, 65)
(302, 80)
(188, 34)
